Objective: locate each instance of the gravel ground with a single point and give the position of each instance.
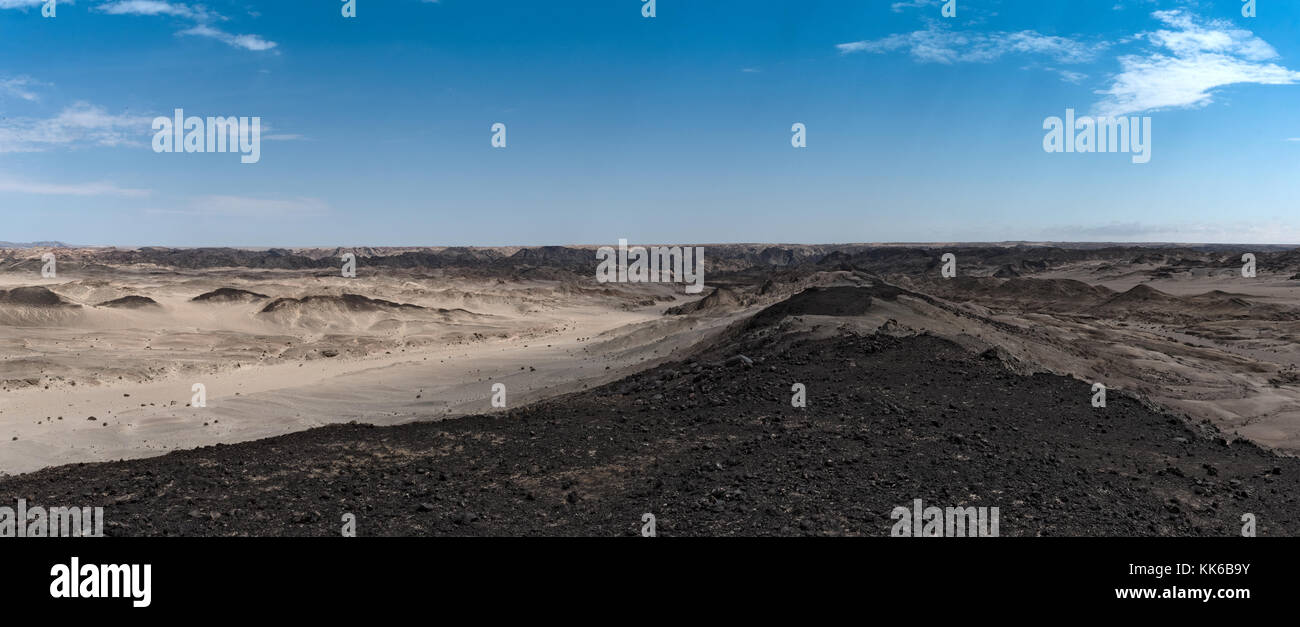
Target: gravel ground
(712, 447)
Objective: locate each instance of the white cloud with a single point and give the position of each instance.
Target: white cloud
(198, 14)
(79, 125)
(1185, 63)
(1070, 76)
(898, 7)
(28, 4)
(247, 42)
(18, 88)
(938, 44)
(158, 7)
(1189, 61)
(69, 189)
(1226, 232)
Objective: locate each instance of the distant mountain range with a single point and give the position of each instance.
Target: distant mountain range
(33, 245)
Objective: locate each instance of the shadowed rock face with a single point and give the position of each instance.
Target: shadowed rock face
(1007, 271)
(720, 300)
(827, 301)
(130, 302)
(562, 263)
(351, 302)
(33, 297)
(228, 295)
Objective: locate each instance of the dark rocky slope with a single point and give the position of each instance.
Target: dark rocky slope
(713, 447)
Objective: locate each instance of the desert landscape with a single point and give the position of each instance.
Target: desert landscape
(373, 394)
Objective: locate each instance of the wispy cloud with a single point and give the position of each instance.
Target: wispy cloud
(1070, 76)
(19, 88)
(158, 7)
(1271, 232)
(1182, 66)
(200, 16)
(28, 4)
(898, 7)
(939, 44)
(1188, 61)
(80, 125)
(247, 42)
(69, 189)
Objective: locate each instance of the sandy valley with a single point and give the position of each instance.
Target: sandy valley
(101, 363)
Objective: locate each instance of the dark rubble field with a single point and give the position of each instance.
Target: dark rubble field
(713, 447)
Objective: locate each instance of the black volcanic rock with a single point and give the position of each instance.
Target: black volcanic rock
(1006, 272)
(33, 297)
(888, 420)
(826, 301)
(200, 258)
(1139, 298)
(351, 302)
(720, 299)
(228, 295)
(130, 302)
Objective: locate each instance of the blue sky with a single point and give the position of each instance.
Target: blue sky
(674, 128)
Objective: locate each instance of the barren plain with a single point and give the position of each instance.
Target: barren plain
(100, 362)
